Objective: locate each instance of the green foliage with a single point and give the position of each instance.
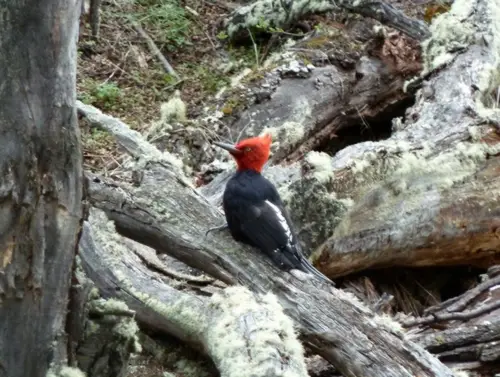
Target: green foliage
(210, 79)
(222, 35)
(167, 21)
(102, 95)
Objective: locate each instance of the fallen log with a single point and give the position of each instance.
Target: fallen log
(275, 14)
(417, 194)
(244, 334)
(176, 222)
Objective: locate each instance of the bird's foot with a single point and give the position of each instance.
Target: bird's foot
(216, 228)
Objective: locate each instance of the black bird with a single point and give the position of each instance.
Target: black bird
(254, 211)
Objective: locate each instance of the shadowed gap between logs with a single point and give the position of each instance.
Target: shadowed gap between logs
(413, 289)
(362, 127)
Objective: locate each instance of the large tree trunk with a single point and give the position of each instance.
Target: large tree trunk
(41, 182)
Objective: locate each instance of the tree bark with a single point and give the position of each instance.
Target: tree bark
(41, 185)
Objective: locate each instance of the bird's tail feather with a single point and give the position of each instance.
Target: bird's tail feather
(310, 268)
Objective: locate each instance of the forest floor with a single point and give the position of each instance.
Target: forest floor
(118, 74)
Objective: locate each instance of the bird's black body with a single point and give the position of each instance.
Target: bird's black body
(256, 216)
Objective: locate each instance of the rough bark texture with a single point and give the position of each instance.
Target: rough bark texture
(420, 191)
(41, 184)
(243, 333)
(175, 223)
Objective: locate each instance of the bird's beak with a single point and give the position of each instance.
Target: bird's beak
(228, 147)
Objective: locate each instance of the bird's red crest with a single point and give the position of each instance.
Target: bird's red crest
(254, 152)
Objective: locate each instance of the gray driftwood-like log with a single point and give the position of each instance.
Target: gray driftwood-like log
(40, 185)
(278, 14)
(244, 334)
(418, 195)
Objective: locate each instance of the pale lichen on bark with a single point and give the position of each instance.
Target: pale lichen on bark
(242, 333)
(273, 13)
(403, 186)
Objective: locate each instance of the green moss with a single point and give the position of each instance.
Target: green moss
(166, 21)
(96, 139)
(318, 42)
(210, 79)
(234, 103)
(104, 95)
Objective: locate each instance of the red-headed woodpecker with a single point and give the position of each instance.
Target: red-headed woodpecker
(254, 211)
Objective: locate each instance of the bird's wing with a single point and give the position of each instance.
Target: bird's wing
(266, 226)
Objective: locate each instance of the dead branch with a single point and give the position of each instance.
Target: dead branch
(131, 140)
(463, 316)
(155, 50)
(455, 338)
(278, 15)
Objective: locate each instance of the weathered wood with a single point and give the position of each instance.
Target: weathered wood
(418, 194)
(176, 222)
(41, 182)
(107, 334)
(245, 334)
(277, 14)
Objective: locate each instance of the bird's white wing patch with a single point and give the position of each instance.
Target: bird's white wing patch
(282, 220)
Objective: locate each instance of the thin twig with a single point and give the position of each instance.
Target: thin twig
(437, 317)
(155, 50)
(459, 303)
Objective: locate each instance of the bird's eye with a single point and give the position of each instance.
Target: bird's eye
(247, 149)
